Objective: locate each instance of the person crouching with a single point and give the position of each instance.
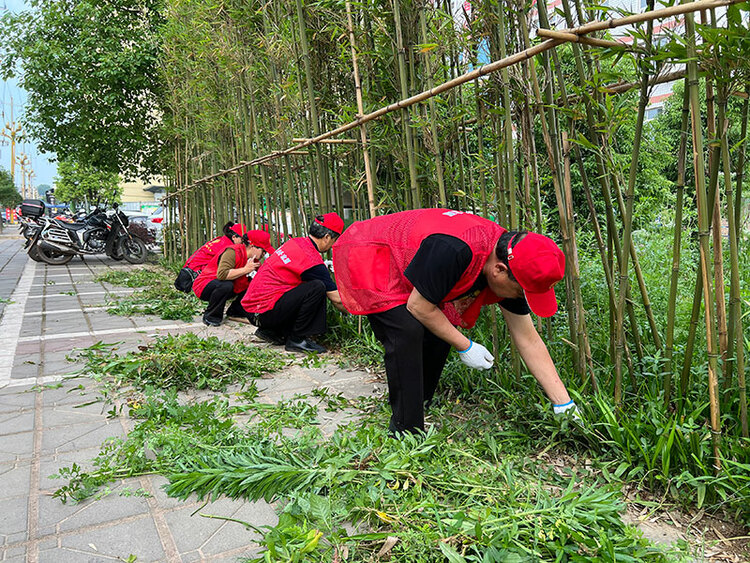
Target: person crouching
(288, 299)
(226, 277)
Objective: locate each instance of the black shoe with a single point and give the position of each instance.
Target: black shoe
(211, 323)
(304, 345)
(270, 336)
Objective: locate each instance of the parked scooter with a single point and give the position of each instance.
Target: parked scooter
(56, 242)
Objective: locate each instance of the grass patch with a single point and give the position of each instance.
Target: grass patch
(180, 362)
(159, 297)
(133, 277)
(460, 493)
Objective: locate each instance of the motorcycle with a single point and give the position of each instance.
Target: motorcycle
(56, 242)
(29, 227)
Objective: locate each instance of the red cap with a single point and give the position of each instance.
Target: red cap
(538, 264)
(261, 239)
(239, 229)
(331, 221)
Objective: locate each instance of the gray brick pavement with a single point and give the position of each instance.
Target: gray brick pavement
(44, 427)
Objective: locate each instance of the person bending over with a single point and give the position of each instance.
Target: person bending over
(418, 275)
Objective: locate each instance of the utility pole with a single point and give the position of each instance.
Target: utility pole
(29, 175)
(23, 162)
(12, 131)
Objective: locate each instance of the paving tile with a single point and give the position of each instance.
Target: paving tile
(50, 465)
(78, 436)
(72, 392)
(14, 519)
(16, 445)
(24, 371)
(18, 421)
(65, 415)
(15, 479)
(234, 535)
(14, 399)
(54, 516)
(17, 554)
(138, 537)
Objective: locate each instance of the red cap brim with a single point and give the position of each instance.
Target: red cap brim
(268, 248)
(542, 304)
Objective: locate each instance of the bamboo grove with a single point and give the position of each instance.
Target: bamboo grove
(253, 88)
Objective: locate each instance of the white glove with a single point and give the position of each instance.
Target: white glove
(476, 356)
(570, 407)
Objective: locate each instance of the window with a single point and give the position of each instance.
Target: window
(651, 113)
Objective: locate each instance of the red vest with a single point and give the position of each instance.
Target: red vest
(207, 252)
(369, 260)
(208, 274)
(281, 272)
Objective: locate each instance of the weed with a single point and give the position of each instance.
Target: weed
(159, 298)
(135, 277)
(180, 362)
(6, 301)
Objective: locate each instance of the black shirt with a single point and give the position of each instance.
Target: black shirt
(438, 265)
(319, 272)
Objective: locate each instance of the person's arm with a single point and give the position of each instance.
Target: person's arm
(534, 352)
(335, 299)
(435, 320)
(227, 271)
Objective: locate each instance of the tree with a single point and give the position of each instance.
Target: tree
(42, 189)
(9, 196)
(90, 70)
(78, 183)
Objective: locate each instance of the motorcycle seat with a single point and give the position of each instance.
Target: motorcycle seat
(69, 226)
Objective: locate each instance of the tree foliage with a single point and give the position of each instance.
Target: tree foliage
(90, 70)
(9, 196)
(78, 183)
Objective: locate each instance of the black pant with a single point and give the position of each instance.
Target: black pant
(300, 312)
(217, 293)
(414, 360)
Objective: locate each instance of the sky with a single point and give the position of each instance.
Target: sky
(40, 162)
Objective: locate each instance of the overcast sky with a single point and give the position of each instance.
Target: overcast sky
(43, 168)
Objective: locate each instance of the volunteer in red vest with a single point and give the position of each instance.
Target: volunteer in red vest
(288, 298)
(232, 235)
(420, 274)
(226, 277)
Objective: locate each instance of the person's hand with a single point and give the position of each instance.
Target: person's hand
(476, 356)
(251, 266)
(570, 408)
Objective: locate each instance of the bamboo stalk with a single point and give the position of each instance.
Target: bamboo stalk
(703, 226)
(469, 76)
(405, 114)
(735, 302)
(433, 120)
(676, 246)
(573, 38)
(331, 141)
(320, 169)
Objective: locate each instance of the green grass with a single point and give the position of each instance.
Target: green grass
(184, 361)
(159, 297)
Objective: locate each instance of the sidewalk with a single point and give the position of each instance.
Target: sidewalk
(46, 312)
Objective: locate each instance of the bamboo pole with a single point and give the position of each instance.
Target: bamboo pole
(573, 38)
(320, 169)
(405, 114)
(736, 349)
(360, 113)
(627, 219)
(703, 227)
(472, 75)
(676, 246)
(437, 154)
